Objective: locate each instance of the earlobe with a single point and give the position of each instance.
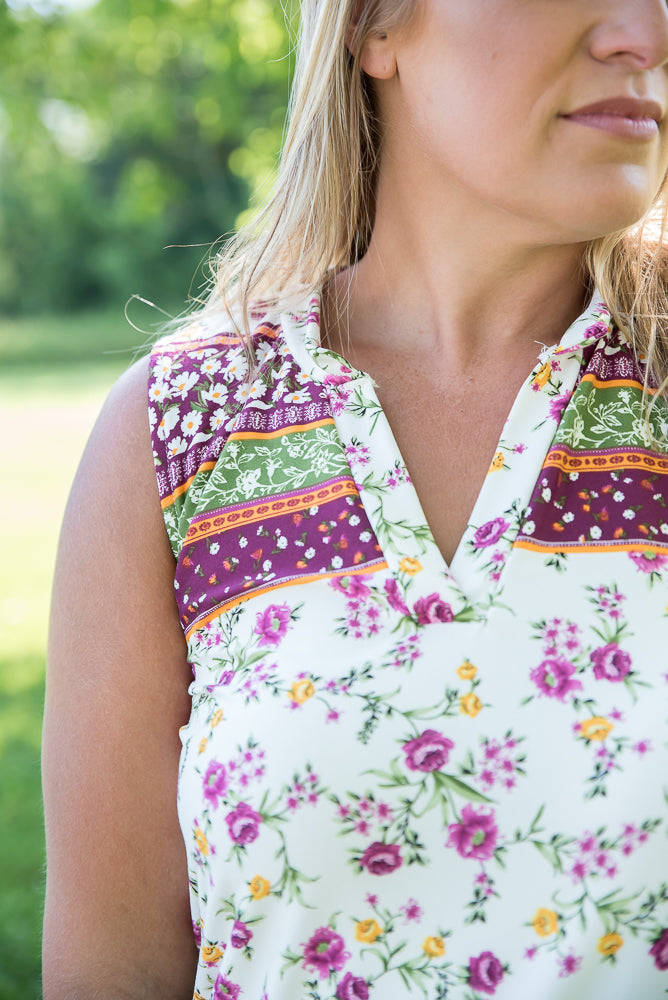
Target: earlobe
(378, 58)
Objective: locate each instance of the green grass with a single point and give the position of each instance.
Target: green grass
(54, 374)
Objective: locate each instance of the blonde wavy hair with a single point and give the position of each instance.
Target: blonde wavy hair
(320, 214)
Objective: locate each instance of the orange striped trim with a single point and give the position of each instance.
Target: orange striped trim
(561, 458)
(239, 517)
(312, 578)
(567, 547)
(225, 340)
(184, 487)
(616, 383)
(290, 429)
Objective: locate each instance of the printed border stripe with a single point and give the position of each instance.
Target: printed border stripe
(617, 383)
(224, 340)
(288, 429)
(371, 567)
(603, 461)
(184, 487)
(271, 507)
(589, 546)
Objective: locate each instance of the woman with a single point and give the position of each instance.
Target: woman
(417, 530)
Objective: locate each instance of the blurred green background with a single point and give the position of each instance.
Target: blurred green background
(126, 127)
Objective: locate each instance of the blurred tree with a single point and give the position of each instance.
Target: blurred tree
(127, 127)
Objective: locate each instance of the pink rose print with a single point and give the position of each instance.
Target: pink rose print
(352, 988)
(381, 859)
(432, 609)
(558, 405)
(649, 562)
(223, 989)
(489, 533)
(554, 677)
(215, 782)
(325, 952)
(197, 933)
(485, 972)
(475, 836)
(394, 598)
(428, 752)
(352, 586)
(610, 662)
(272, 624)
(659, 951)
(241, 934)
(243, 823)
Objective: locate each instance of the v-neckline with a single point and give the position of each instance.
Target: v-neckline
(472, 582)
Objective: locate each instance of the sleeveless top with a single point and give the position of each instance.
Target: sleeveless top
(401, 777)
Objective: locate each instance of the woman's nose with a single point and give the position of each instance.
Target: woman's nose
(632, 32)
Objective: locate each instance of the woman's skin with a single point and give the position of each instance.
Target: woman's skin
(487, 193)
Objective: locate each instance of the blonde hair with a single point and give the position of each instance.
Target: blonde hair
(320, 214)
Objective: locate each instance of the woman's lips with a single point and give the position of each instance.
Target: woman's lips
(622, 117)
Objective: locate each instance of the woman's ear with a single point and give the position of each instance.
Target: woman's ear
(377, 57)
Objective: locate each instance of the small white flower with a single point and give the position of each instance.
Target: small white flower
(664, 528)
(618, 496)
(657, 496)
(628, 514)
(309, 553)
(215, 548)
(191, 423)
(177, 446)
(266, 565)
(528, 528)
(301, 544)
(282, 542)
(337, 562)
(627, 480)
(168, 423)
(594, 494)
(568, 517)
(158, 391)
(313, 511)
(365, 536)
(353, 521)
(574, 476)
(595, 531)
(243, 541)
(547, 495)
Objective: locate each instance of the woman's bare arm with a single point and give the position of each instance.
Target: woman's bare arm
(117, 923)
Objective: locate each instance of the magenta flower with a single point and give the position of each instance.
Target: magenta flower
(272, 624)
(243, 824)
(428, 752)
(197, 933)
(554, 677)
(569, 965)
(489, 533)
(352, 586)
(215, 782)
(659, 951)
(475, 836)
(223, 989)
(598, 329)
(610, 662)
(241, 934)
(485, 972)
(558, 404)
(352, 988)
(381, 859)
(325, 952)
(394, 598)
(432, 609)
(648, 561)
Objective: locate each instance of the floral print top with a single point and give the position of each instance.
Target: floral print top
(402, 778)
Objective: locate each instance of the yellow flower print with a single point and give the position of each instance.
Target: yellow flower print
(434, 947)
(467, 671)
(596, 728)
(368, 930)
(542, 376)
(201, 841)
(497, 462)
(470, 704)
(202, 744)
(545, 922)
(410, 566)
(301, 691)
(211, 954)
(259, 887)
(610, 944)
(216, 718)
(198, 996)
